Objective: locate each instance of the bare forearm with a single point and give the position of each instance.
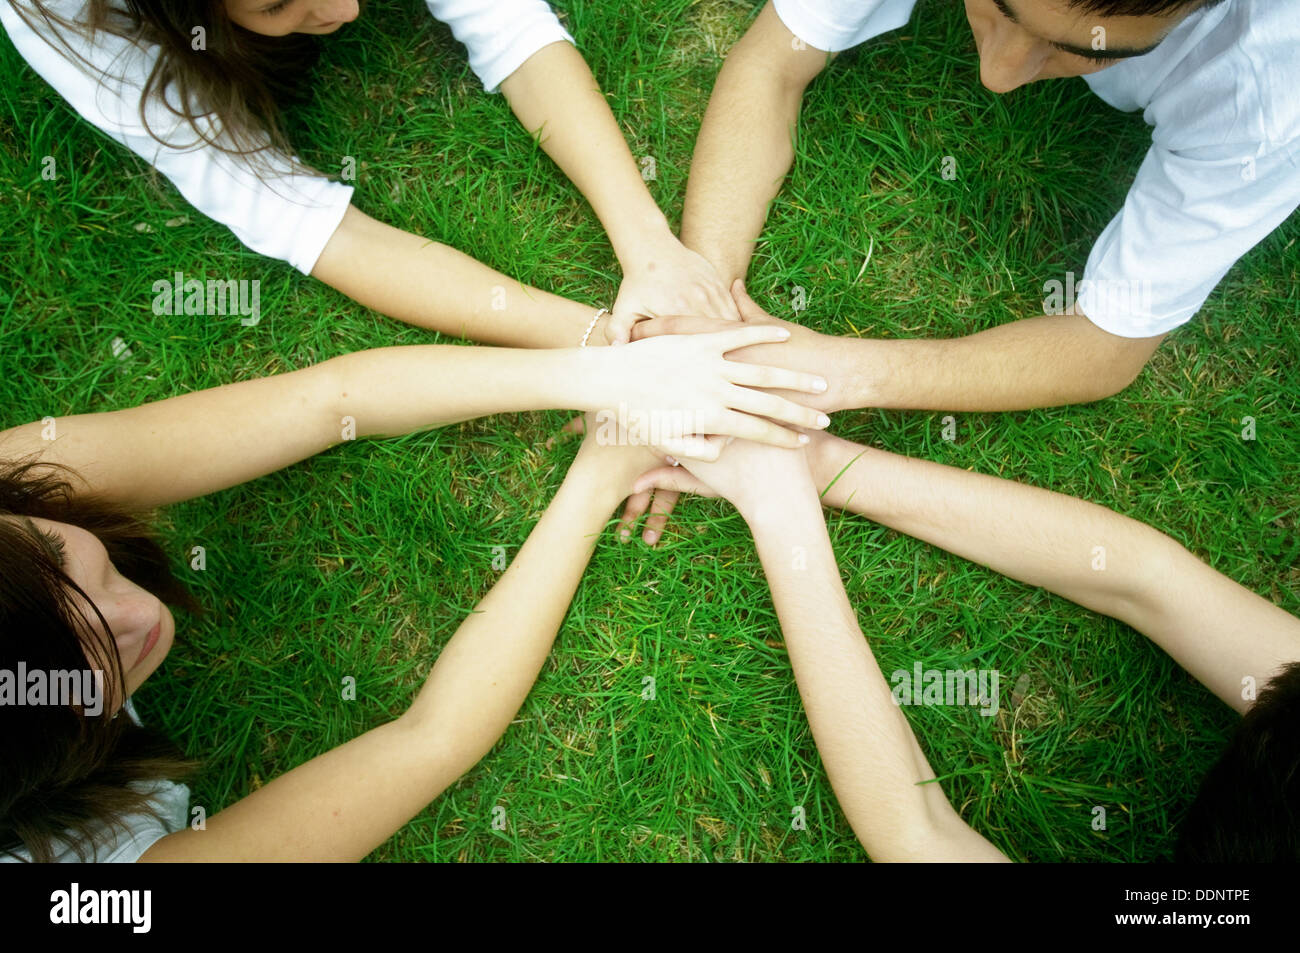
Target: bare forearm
(485, 672)
(871, 755)
(746, 142)
(1217, 630)
(556, 98)
(397, 390)
(1044, 361)
(238, 432)
(743, 152)
(344, 803)
(1087, 553)
(432, 285)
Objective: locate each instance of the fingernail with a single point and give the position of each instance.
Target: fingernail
(819, 384)
(624, 535)
(672, 461)
(822, 421)
(803, 438)
(651, 538)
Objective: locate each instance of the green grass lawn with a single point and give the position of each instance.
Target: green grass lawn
(361, 562)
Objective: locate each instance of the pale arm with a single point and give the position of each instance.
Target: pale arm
(201, 442)
(1217, 630)
(343, 804)
(433, 285)
(881, 778)
(557, 99)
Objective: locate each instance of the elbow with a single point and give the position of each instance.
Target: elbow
(1143, 600)
(1115, 361)
(1108, 385)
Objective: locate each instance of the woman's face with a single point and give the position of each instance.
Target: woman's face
(141, 624)
(282, 17)
(1022, 41)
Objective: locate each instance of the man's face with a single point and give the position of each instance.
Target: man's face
(282, 17)
(1021, 41)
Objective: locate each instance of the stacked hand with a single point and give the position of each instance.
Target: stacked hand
(669, 389)
(802, 349)
(751, 476)
(669, 279)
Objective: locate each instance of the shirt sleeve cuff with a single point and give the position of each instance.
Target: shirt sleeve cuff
(497, 70)
(810, 23)
(317, 226)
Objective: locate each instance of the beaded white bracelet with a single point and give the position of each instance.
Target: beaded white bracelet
(591, 327)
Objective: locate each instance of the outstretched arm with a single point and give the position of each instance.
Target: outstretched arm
(881, 777)
(1043, 361)
(746, 142)
(205, 441)
(343, 804)
(427, 283)
(1217, 630)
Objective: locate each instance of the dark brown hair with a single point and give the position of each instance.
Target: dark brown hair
(70, 777)
(1248, 807)
(1139, 8)
(242, 78)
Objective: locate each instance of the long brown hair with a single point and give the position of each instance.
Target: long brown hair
(241, 78)
(70, 777)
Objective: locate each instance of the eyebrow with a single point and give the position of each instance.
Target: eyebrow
(1121, 53)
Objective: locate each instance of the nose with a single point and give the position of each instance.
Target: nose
(131, 615)
(1009, 58)
(129, 611)
(333, 10)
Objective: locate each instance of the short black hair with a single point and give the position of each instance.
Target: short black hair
(1138, 8)
(1248, 807)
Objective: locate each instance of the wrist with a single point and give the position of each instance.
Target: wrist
(828, 455)
(595, 375)
(606, 473)
(647, 237)
(776, 513)
(851, 370)
(793, 526)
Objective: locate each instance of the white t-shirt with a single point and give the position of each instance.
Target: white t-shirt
(1222, 93)
(126, 844)
(291, 217)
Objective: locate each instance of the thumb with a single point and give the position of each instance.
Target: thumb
(749, 310)
(619, 330)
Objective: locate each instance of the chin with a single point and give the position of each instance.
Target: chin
(166, 638)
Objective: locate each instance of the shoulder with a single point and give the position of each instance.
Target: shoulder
(127, 840)
(1225, 77)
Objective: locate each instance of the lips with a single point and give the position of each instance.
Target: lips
(150, 641)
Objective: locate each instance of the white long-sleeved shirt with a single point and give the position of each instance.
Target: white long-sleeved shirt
(284, 214)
